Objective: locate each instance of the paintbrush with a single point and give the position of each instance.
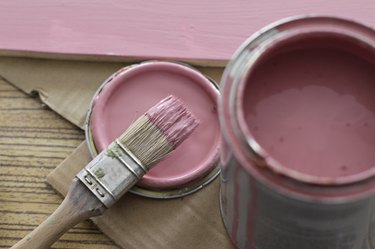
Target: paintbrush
(114, 171)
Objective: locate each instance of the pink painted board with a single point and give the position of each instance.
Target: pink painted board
(202, 31)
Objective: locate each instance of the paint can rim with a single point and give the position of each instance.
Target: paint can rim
(169, 193)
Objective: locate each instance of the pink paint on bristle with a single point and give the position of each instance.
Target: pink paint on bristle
(173, 118)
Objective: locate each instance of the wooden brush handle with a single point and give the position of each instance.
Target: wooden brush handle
(80, 204)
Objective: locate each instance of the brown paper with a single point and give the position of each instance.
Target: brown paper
(192, 222)
(137, 222)
(65, 86)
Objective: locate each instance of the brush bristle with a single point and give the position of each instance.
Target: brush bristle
(159, 131)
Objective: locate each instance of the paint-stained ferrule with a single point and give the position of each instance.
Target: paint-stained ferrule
(112, 173)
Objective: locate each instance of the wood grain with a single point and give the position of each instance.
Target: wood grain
(33, 141)
(79, 205)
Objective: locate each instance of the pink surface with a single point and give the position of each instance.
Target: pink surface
(133, 92)
(198, 30)
(313, 108)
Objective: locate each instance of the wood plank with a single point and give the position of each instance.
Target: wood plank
(33, 141)
(204, 32)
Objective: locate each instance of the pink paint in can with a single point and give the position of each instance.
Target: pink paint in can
(297, 114)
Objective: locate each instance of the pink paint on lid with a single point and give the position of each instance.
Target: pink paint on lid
(135, 90)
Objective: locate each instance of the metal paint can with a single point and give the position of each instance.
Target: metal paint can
(265, 205)
(124, 81)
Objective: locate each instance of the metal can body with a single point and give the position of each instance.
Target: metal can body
(258, 217)
(264, 208)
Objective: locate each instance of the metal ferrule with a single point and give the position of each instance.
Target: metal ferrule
(112, 173)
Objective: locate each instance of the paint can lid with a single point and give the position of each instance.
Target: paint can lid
(130, 92)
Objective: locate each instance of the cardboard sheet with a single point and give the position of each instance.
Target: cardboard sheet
(134, 222)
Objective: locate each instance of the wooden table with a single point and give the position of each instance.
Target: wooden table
(33, 141)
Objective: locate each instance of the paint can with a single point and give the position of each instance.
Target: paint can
(269, 199)
(130, 92)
